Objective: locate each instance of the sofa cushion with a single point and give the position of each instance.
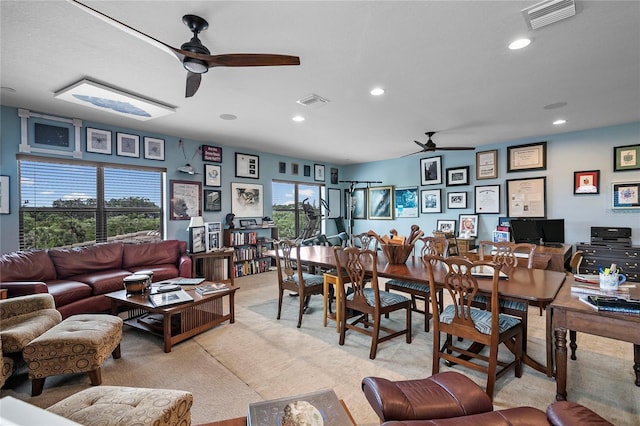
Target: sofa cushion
(103, 282)
(81, 260)
(509, 417)
(155, 253)
(27, 266)
(160, 272)
(68, 291)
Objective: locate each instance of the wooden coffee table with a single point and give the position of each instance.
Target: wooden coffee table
(175, 323)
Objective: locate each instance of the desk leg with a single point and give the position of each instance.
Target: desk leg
(166, 321)
(636, 363)
(325, 291)
(232, 307)
(561, 364)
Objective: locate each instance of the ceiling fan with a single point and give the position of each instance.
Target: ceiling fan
(195, 57)
(430, 146)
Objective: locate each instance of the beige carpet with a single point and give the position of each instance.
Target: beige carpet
(260, 358)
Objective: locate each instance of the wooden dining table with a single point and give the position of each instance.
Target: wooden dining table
(530, 285)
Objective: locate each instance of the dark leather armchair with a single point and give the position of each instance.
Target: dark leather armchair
(451, 398)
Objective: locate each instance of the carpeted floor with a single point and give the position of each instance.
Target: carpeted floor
(260, 358)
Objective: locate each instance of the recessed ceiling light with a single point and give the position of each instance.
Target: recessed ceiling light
(298, 118)
(228, 116)
(519, 44)
(377, 91)
(559, 122)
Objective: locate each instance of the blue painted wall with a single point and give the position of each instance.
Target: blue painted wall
(566, 153)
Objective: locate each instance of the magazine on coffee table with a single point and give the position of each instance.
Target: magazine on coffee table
(170, 298)
(316, 408)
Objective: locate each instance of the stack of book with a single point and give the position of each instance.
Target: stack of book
(590, 284)
(612, 304)
(209, 288)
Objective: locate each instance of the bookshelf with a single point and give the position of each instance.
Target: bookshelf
(250, 246)
(214, 265)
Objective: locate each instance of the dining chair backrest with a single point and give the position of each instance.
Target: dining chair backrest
(365, 241)
(360, 266)
(506, 253)
(576, 260)
(435, 246)
(287, 259)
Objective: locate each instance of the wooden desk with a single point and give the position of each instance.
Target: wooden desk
(566, 312)
(531, 285)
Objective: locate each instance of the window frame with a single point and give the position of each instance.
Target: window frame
(101, 211)
(298, 212)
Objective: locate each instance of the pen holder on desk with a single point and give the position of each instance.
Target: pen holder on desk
(611, 281)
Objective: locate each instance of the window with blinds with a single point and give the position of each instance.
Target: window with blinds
(287, 205)
(66, 204)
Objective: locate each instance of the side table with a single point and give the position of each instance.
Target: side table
(213, 265)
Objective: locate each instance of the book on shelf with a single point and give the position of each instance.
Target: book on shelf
(316, 408)
(208, 288)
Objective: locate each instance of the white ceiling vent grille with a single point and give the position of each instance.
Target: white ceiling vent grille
(313, 100)
(547, 12)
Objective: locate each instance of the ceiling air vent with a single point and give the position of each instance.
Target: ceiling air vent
(547, 12)
(313, 100)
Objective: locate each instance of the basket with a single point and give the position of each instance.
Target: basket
(397, 253)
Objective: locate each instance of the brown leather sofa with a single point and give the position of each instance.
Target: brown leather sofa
(450, 398)
(79, 278)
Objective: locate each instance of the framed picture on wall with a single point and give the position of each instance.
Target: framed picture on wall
(456, 200)
(431, 171)
(98, 141)
(487, 199)
(4, 195)
(212, 200)
(487, 164)
(527, 197)
(458, 176)
(153, 148)
(430, 201)
(528, 157)
(248, 166)
(586, 182)
(358, 203)
(318, 172)
(127, 145)
(406, 202)
(625, 195)
(381, 202)
(247, 199)
(626, 158)
(185, 199)
(212, 173)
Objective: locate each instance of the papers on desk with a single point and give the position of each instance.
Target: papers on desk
(583, 287)
(484, 271)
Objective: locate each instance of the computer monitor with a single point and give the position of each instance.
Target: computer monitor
(524, 231)
(551, 231)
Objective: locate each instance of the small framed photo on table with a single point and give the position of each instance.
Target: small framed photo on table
(448, 226)
(197, 241)
(468, 226)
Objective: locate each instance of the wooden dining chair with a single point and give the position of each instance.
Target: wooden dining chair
(369, 303)
(483, 327)
(506, 254)
(419, 291)
(292, 277)
(364, 241)
(576, 260)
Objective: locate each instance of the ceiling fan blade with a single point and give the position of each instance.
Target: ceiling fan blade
(249, 60)
(413, 153)
(421, 145)
(176, 53)
(193, 83)
(456, 148)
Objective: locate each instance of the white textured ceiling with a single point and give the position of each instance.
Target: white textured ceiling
(444, 65)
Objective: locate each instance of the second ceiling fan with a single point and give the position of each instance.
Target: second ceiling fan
(430, 146)
(195, 57)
